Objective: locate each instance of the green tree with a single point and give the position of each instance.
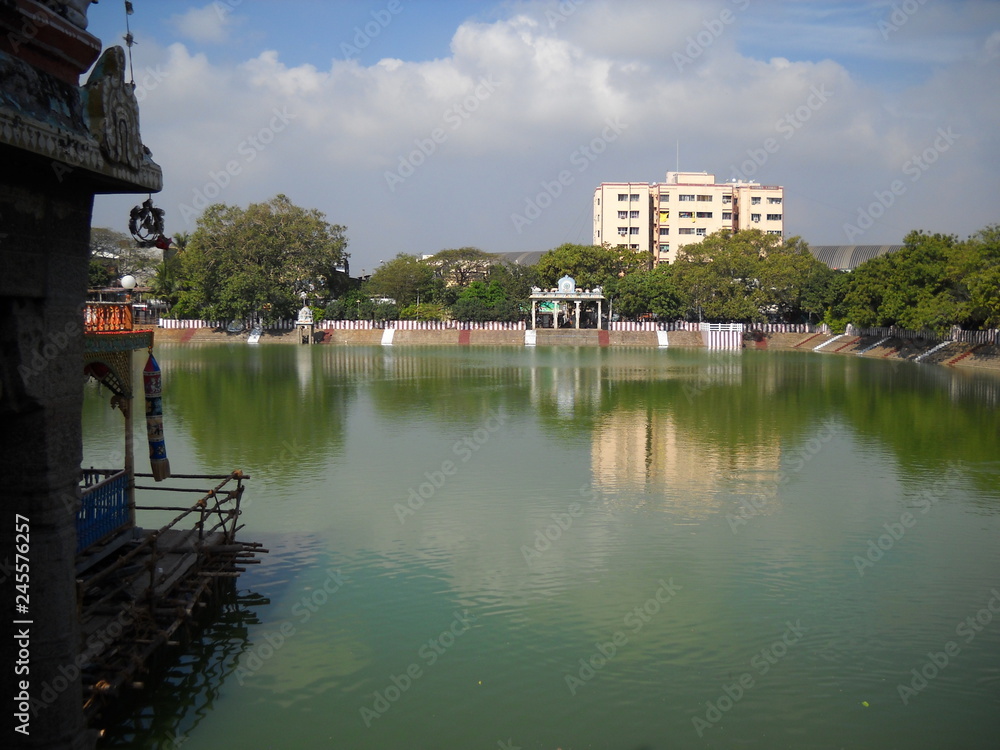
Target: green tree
(240, 262)
(404, 279)
(752, 276)
(481, 302)
(120, 255)
(166, 284)
(648, 292)
(458, 267)
(588, 265)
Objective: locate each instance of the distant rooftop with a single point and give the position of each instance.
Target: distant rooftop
(849, 257)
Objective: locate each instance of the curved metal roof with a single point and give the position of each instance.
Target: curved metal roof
(849, 257)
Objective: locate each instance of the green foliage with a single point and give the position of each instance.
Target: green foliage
(98, 275)
(482, 302)
(752, 277)
(933, 283)
(166, 284)
(647, 292)
(588, 265)
(458, 267)
(358, 305)
(404, 279)
(424, 311)
(241, 262)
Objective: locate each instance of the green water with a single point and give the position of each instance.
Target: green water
(613, 549)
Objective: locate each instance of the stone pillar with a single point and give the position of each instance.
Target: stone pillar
(56, 154)
(577, 317)
(41, 337)
(534, 316)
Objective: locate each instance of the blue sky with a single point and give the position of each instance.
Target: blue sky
(424, 125)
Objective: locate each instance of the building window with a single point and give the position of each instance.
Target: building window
(755, 200)
(622, 231)
(664, 216)
(774, 217)
(685, 230)
(774, 201)
(623, 196)
(633, 230)
(664, 231)
(755, 217)
(705, 198)
(664, 248)
(683, 197)
(633, 214)
(700, 231)
(634, 197)
(623, 214)
(727, 199)
(664, 197)
(704, 214)
(774, 231)
(633, 247)
(727, 215)
(685, 214)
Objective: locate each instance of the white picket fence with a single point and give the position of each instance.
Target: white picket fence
(988, 336)
(170, 323)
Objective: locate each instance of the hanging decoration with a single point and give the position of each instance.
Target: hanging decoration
(146, 225)
(160, 465)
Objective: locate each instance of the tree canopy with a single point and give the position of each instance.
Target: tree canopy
(243, 262)
(588, 265)
(751, 276)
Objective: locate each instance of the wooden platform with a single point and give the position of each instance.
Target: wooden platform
(137, 590)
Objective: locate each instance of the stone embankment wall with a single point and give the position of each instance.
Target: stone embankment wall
(954, 354)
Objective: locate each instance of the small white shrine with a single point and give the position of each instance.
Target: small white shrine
(304, 325)
(565, 304)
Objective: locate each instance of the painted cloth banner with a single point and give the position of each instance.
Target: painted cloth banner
(160, 465)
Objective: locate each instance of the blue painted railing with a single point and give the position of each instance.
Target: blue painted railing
(104, 509)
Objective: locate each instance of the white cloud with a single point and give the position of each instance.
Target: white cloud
(210, 24)
(519, 98)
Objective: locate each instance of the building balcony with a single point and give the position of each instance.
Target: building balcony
(107, 317)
